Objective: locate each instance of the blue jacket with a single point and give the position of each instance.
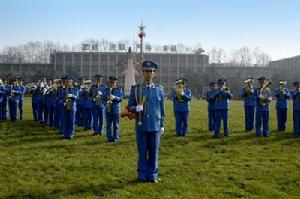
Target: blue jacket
(211, 98)
(116, 102)
(34, 96)
(282, 98)
(182, 104)
(296, 100)
(86, 100)
(222, 99)
(14, 93)
(268, 96)
(249, 98)
(22, 91)
(73, 92)
(2, 93)
(94, 92)
(153, 114)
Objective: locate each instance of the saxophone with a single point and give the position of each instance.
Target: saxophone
(263, 93)
(109, 101)
(67, 101)
(178, 90)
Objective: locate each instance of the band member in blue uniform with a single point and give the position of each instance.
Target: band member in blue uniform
(295, 94)
(263, 98)
(181, 97)
(147, 102)
(34, 101)
(222, 96)
(13, 99)
(22, 93)
(79, 104)
(2, 95)
(249, 104)
(40, 98)
(51, 102)
(282, 94)
(57, 106)
(61, 106)
(113, 97)
(87, 104)
(96, 93)
(210, 97)
(70, 96)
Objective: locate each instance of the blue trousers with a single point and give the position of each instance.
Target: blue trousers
(79, 115)
(1, 110)
(51, 116)
(211, 119)
(112, 119)
(21, 109)
(56, 117)
(181, 122)
(98, 117)
(281, 119)
(46, 113)
(12, 105)
(87, 118)
(69, 124)
(148, 147)
(249, 118)
(62, 118)
(296, 124)
(221, 115)
(40, 110)
(35, 111)
(262, 118)
(4, 109)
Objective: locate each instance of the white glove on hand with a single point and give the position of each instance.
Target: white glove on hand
(139, 108)
(70, 95)
(99, 93)
(162, 130)
(112, 97)
(182, 93)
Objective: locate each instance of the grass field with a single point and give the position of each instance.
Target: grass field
(36, 163)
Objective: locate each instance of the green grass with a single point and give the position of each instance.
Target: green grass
(36, 163)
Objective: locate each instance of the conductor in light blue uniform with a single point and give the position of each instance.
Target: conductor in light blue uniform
(147, 102)
(181, 97)
(222, 96)
(210, 98)
(282, 95)
(113, 97)
(295, 94)
(263, 98)
(96, 93)
(249, 104)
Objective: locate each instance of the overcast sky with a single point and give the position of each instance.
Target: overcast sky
(272, 25)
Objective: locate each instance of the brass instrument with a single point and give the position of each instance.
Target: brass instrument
(109, 101)
(68, 101)
(282, 86)
(249, 87)
(178, 90)
(31, 85)
(263, 92)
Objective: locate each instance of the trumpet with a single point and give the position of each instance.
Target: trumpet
(263, 92)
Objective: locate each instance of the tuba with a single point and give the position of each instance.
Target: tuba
(264, 93)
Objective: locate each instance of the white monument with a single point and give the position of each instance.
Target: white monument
(129, 73)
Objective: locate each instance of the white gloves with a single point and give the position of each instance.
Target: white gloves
(70, 95)
(162, 130)
(182, 93)
(139, 108)
(112, 97)
(99, 93)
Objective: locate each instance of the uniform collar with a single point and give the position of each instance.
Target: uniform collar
(146, 85)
